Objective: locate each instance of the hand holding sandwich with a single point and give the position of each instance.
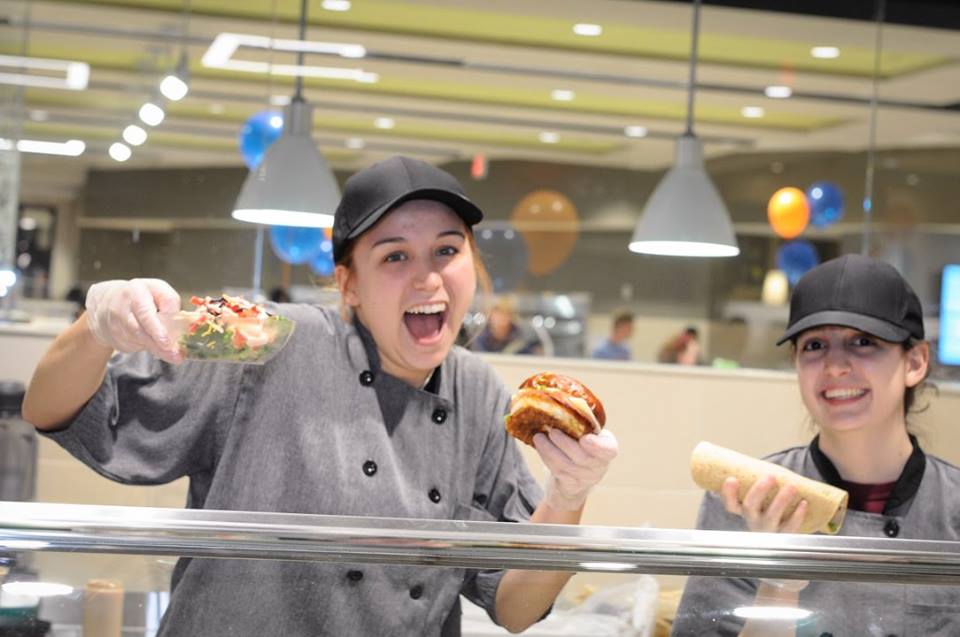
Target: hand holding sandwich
(575, 465)
(564, 421)
(760, 516)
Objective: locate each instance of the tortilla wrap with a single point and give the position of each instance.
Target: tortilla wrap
(826, 505)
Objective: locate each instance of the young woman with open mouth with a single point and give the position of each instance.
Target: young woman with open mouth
(367, 411)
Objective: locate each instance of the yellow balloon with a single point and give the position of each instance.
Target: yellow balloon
(550, 226)
(788, 212)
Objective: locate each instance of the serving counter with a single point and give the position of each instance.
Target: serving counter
(69, 545)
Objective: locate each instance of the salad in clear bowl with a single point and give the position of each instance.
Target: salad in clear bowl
(228, 328)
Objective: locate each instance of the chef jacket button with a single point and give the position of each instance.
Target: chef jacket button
(826, 634)
(369, 467)
(480, 498)
(416, 592)
(354, 576)
(434, 496)
(891, 528)
(439, 416)
(366, 378)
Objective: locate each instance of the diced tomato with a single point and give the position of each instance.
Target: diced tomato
(239, 340)
(196, 300)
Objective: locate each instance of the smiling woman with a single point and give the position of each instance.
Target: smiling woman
(856, 328)
(370, 412)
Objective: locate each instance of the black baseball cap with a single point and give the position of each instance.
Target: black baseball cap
(859, 292)
(378, 189)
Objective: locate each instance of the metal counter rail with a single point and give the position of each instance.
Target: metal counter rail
(453, 543)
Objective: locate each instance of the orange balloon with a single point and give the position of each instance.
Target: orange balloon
(550, 226)
(788, 212)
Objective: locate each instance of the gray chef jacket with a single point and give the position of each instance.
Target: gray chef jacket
(318, 429)
(923, 506)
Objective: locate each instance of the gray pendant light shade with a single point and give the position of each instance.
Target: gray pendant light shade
(293, 185)
(685, 216)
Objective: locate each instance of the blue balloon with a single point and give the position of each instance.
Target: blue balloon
(826, 203)
(795, 258)
(296, 245)
(322, 264)
(261, 130)
(504, 253)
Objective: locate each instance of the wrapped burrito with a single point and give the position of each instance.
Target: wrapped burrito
(826, 505)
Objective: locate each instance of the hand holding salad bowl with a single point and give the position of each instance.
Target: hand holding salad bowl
(144, 315)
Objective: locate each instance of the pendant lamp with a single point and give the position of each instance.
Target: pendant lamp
(685, 216)
(293, 185)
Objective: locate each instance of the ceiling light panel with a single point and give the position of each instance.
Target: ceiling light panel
(76, 75)
(221, 52)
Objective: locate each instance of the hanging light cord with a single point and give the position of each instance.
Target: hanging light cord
(694, 37)
(298, 96)
(872, 136)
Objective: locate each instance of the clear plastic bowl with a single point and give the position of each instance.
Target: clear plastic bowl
(238, 340)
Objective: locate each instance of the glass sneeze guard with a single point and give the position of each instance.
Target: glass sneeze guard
(469, 544)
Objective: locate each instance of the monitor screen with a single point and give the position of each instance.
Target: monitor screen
(949, 352)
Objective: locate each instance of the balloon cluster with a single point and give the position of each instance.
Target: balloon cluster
(297, 246)
(258, 132)
(790, 210)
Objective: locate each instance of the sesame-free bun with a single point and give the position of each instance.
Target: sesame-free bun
(553, 401)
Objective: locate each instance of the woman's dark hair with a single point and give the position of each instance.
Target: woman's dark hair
(911, 393)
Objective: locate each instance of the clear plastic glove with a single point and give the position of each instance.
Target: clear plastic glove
(122, 315)
(576, 466)
(762, 512)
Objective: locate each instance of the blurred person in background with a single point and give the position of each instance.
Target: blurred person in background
(78, 296)
(503, 334)
(616, 348)
(279, 295)
(682, 349)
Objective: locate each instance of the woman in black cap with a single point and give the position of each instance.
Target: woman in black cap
(367, 411)
(856, 330)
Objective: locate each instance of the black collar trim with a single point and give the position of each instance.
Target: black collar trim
(903, 491)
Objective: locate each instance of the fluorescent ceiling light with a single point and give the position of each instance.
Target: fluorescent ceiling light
(635, 131)
(36, 589)
(221, 51)
(355, 143)
(134, 135)
(771, 612)
(587, 29)
(336, 5)
(752, 112)
(778, 92)
(825, 52)
(384, 123)
(548, 137)
(173, 88)
(151, 114)
(69, 148)
(119, 152)
(7, 279)
(562, 95)
(76, 75)
(279, 100)
(39, 116)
